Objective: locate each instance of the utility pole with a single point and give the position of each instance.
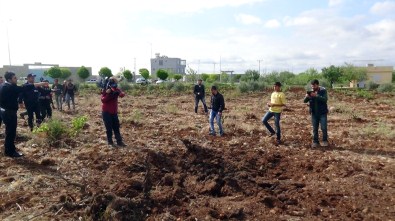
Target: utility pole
(198, 66)
(214, 67)
(8, 43)
(134, 73)
(259, 66)
(220, 69)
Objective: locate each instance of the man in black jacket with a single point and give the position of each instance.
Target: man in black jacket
(9, 106)
(217, 106)
(318, 102)
(199, 95)
(29, 97)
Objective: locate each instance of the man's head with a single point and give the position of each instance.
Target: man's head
(56, 81)
(214, 90)
(1, 80)
(10, 77)
(277, 86)
(315, 85)
(30, 78)
(200, 81)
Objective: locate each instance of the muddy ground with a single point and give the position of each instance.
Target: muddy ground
(173, 170)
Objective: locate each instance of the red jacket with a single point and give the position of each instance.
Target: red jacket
(110, 101)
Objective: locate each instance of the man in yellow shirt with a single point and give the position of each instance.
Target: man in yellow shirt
(277, 102)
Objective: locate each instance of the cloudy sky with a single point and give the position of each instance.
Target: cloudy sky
(208, 34)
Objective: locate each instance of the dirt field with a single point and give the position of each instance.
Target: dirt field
(173, 170)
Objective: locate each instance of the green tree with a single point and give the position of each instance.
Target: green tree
(83, 72)
(144, 73)
(332, 74)
(54, 72)
(224, 77)
(162, 74)
(250, 75)
(177, 77)
(393, 76)
(127, 74)
(205, 77)
(105, 72)
(352, 73)
(66, 73)
(192, 74)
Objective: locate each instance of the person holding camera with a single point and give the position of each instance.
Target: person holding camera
(318, 103)
(199, 93)
(276, 104)
(9, 94)
(109, 98)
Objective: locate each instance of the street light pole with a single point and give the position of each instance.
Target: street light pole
(259, 66)
(8, 44)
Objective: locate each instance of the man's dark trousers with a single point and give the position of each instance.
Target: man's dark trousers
(33, 109)
(111, 122)
(10, 121)
(197, 99)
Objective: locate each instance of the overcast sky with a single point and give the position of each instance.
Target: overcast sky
(234, 34)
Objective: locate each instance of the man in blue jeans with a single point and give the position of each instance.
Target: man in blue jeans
(318, 99)
(217, 106)
(277, 102)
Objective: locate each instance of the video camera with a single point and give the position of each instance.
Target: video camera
(309, 92)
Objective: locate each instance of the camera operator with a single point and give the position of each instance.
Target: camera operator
(199, 92)
(318, 99)
(9, 106)
(29, 97)
(109, 98)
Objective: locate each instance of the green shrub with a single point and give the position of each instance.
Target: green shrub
(364, 94)
(151, 87)
(169, 85)
(243, 87)
(179, 87)
(125, 86)
(371, 85)
(385, 88)
(53, 129)
(78, 124)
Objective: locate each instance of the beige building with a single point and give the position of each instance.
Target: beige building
(376, 74)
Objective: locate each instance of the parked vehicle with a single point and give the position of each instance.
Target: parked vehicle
(141, 81)
(91, 81)
(160, 81)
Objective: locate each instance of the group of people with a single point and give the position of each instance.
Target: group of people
(317, 99)
(35, 97)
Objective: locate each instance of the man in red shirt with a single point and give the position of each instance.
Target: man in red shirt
(109, 98)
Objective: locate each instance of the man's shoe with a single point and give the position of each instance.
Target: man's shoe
(278, 142)
(111, 144)
(14, 155)
(121, 144)
(271, 134)
(314, 145)
(221, 134)
(324, 144)
(211, 134)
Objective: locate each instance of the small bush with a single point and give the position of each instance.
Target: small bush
(364, 94)
(385, 88)
(78, 124)
(169, 85)
(371, 85)
(125, 86)
(178, 87)
(243, 87)
(151, 87)
(53, 129)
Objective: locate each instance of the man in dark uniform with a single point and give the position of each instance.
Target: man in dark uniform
(1, 85)
(9, 106)
(45, 100)
(29, 96)
(199, 92)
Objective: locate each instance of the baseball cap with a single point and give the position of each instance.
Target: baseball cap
(31, 75)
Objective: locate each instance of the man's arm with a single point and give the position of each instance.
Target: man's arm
(221, 104)
(323, 98)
